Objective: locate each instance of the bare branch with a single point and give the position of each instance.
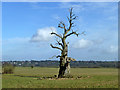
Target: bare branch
(72, 33)
(67, 43)
(58, 42)
(62, 25)
(58, 56)
(55, 56)
(74, 17)
(55, 47)
(52, 57)
(73, 25)
(56, 34)
(70, 59)
(71, 11)
(70, 19)
(83, 33)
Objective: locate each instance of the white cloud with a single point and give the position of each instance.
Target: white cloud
(83, 44)
(43, 34)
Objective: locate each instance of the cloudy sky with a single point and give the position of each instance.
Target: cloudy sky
(26, 30)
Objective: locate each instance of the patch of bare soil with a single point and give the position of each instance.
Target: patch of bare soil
(55, 78)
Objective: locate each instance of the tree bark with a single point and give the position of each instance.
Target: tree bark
(64, 67)
(64, 63)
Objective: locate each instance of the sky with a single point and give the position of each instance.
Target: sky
(26, 28)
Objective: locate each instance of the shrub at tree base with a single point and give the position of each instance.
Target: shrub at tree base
(8, 68)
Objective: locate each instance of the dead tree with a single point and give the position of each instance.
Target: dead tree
(64, 59)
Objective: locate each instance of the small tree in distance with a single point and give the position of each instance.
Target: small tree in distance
(64, 59)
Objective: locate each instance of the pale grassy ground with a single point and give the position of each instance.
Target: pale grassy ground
(91, 78)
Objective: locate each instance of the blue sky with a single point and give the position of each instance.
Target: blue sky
(26, 27)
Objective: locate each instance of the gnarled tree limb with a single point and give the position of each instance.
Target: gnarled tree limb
(58, 56)
(70, 59)
(56, 34)
(55, 47)
(72, 33)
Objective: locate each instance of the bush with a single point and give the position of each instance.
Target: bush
(8, 68)
(32, 66)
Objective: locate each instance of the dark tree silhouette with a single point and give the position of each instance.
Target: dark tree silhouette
(64, 59)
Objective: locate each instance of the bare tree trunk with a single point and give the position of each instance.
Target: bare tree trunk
(64, 68)
(67, 71)
(64, 59)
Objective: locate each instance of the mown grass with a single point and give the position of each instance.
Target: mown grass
(91, 78)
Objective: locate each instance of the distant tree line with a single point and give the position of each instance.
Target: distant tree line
(75, 64)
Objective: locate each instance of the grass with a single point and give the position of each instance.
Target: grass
(91, 78)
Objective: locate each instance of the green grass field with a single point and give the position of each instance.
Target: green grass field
(26, 77)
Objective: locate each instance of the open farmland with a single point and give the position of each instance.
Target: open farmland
(27, 77)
